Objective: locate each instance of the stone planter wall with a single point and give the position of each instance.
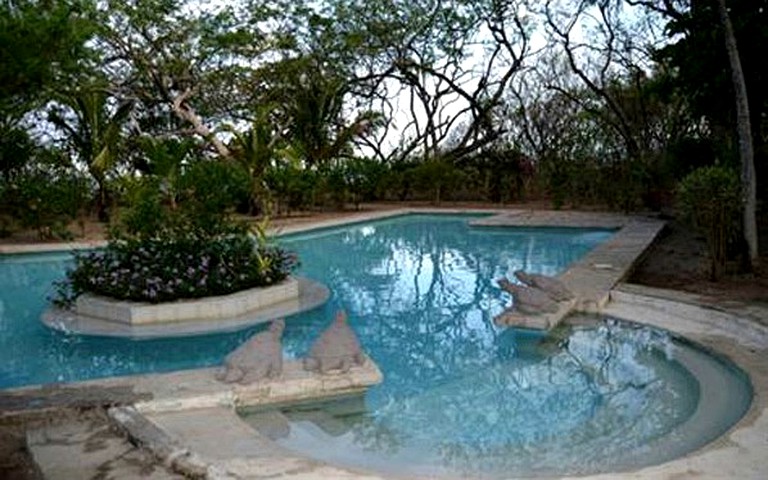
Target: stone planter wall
(225, 306)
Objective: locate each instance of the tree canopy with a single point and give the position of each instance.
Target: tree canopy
(581, 101)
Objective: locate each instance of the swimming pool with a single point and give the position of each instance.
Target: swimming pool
(460, 396)
(387, 274)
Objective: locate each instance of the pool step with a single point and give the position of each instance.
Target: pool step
(89, 448)
(215, 443)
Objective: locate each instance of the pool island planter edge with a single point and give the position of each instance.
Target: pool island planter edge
(205, 308)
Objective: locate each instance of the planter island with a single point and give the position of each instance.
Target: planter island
(95, 315)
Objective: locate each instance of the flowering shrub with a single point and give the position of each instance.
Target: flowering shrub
(171, 267)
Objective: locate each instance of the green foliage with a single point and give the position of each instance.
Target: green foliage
(500, 175)
(177, 264)
(146, 213)
(163, 251)
(45, 198)
(16, 150)
(710, 200)
(93, 129)
(210, 190)
(201, 199)
(254, 150)
(363, 178)
(698, 53)
(293, 188)
(40, 43)
(438, 177)
(332, 189)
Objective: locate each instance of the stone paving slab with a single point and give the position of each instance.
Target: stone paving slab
(90, 450)
(198, 388)
(215, 443)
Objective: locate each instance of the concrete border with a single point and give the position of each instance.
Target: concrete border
(214, 308)
(309, 295)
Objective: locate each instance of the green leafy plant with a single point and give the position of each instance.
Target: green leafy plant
(710, 200)
(183, 263)
(161, 252)
(363, 177)
(438, 177)
(45, 199)
(293, 188)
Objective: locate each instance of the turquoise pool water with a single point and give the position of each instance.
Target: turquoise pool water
(419, 290)
(460, 396)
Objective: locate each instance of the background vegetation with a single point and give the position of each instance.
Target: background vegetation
(118, 109)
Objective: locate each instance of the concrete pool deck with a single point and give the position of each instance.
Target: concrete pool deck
(193, 427)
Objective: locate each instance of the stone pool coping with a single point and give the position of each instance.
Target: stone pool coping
(738, 454)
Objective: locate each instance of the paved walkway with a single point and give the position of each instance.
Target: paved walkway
(91, 449)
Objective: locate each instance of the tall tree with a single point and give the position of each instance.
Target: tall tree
(708, 61)
(188, 67)
(40, 42)
(744, 127)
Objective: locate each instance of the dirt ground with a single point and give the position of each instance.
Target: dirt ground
(676, 261)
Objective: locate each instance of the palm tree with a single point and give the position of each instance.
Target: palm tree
(93, 127)
(254, 150)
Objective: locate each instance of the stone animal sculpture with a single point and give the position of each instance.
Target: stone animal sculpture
(337, 348)
(553, 287)
(529, 300)
(258, 358)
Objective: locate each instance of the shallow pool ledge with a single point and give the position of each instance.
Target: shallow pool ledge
(203, 436)
(740, 453)
(195, 389)
(191, 424)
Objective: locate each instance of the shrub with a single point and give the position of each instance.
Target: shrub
(45, 199)
(162, 251)
(710, 200)
(363, 177)
(293, 187)
(332, 186)
(213, 188)
(178, 264)
(437, 176)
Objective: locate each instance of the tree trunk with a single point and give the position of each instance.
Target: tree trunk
(185, 112)
(746, 150)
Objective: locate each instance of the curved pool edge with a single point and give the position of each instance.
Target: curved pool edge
(740, 453)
